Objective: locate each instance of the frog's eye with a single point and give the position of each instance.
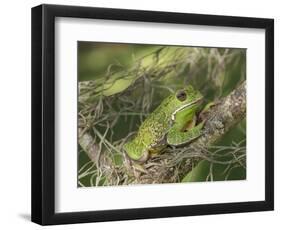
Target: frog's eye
(181, 95)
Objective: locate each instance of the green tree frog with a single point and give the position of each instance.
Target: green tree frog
(173, 122)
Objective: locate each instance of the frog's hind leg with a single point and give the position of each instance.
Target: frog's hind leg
(176, 137)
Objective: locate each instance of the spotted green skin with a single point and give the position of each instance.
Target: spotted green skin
(171, 123)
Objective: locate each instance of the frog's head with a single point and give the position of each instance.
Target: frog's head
(185, 99)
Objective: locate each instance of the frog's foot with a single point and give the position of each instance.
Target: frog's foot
(177, 137)
(205, 111)
(138, 169)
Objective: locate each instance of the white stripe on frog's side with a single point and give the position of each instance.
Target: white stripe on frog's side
(183, 107)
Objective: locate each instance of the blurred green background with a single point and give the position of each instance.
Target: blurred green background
(213, 71)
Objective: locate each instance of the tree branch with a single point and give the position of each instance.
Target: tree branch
(170, 168)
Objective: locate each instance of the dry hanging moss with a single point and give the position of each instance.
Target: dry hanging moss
(123, 99)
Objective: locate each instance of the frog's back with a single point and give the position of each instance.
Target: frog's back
(153, 128)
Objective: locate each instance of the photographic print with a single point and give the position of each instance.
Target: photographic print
(176, 109)
(152, 114)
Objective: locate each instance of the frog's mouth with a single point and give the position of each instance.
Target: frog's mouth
(197, 102)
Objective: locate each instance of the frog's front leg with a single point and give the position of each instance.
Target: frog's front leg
(176, 136)
(206, 110)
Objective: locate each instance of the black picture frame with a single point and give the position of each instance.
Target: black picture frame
(43, 110)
